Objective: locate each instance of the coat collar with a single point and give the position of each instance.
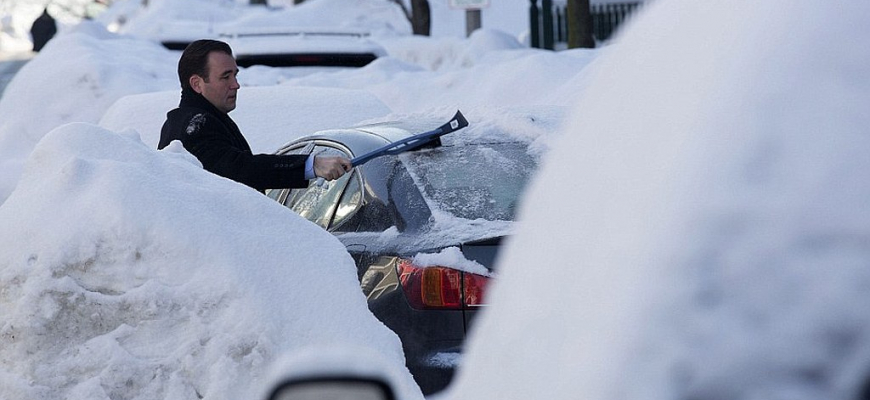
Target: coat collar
(189, 98)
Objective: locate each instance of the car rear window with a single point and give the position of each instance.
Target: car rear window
(473, 181)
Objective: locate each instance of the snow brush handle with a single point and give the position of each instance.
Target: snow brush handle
(410, 143)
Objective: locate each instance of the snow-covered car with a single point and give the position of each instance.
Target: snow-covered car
(296, 48)
(303, 48)
(322, 34)
(424, 228)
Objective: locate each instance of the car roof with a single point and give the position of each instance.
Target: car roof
(363, 139)
(320, 41)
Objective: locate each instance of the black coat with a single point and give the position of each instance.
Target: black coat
(42, 30)
(217, 142)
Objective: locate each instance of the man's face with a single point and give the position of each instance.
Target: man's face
(220, 86)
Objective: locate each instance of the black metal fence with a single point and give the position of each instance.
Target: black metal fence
(549, 21)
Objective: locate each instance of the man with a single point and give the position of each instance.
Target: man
(207, 71)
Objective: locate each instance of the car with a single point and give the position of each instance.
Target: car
(311, 47)
(303, 48)
(424, 228)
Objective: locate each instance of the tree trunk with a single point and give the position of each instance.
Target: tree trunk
(421, 17)
(580, 25)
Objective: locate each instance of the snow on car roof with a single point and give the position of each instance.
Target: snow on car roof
(319, 41)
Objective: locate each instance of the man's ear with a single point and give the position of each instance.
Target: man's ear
(196, 82)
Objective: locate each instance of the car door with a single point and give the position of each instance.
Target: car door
(328, 204)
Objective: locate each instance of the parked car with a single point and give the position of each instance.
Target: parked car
(424, 228)
(311, 47)
(303, 48)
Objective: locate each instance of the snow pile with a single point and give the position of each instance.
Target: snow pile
(131, 273)
(706, 214)
(448, 52)
(172, 20)
(414, 81)
(169, 20)
(453, 257)
(17, 16)
(376, 17)
(98, 69)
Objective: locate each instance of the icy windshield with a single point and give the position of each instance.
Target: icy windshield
(473, 181)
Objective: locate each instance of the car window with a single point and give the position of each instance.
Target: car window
(274, 194)
(348, 205)
(474, 180)
(318, 203)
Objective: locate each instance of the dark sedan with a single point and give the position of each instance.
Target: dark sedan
(424, 228)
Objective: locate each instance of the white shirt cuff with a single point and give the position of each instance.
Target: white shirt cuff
(309, 167)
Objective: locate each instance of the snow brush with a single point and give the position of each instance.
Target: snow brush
(426, 139)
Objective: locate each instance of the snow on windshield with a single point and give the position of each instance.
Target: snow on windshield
(479, 172)
(473, 181)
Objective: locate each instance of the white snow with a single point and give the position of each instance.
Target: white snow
(214, 17)
(77, 77)
(451, 256)
(700, 229)
(17, 16)
(132, 272)
(128, 272)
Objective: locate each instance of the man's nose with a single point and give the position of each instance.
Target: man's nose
(235, 84)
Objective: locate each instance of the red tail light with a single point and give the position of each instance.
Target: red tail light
(440, 287)
(475, 287)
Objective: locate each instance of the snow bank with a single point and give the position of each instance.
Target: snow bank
(17, 16)
(435, 54)
(717, 237)
(132, 273)
(98, 68)
(172, 20)
(169, 20)
(489, 69)
(377, 17)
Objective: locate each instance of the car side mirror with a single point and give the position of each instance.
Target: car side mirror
(333, 388)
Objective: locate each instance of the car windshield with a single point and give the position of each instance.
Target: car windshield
(473, 181)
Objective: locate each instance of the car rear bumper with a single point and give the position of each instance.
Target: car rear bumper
(434, 371)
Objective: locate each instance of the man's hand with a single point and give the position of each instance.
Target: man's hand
(331, 168)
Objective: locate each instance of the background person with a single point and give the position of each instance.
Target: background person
(42, 30)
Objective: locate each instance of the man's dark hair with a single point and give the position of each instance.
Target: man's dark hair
(194, 59)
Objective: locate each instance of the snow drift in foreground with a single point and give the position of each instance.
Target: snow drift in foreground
(718, 237)
(132, 273)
